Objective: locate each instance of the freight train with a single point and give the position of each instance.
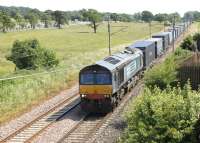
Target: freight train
(102, 85)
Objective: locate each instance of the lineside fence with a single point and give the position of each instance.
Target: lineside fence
(190, 70)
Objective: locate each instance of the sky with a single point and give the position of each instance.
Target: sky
(118, 6)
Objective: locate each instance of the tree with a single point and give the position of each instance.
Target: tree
(147, 16)
(137, 16)
(125, 18)
(33, 19)
(46, 19)
(59, 18)
(175, 15)
(6, 22)
(18, 18)
(160, 17)
(114, 17)
(94, 17)
(189, 16)
(29, 55)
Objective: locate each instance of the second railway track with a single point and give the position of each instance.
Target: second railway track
(35, 127)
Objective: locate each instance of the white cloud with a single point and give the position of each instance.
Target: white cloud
(125, 6)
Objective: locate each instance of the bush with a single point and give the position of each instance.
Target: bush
(29, 55)
(168, 116)
(187, 43)
(165, 74)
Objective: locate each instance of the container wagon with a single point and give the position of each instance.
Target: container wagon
(165, 38)
(159, 50)
(170, 37)
(148, 49)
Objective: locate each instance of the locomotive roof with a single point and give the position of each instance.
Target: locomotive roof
(118, 59)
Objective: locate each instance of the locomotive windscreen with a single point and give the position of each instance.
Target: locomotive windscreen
(95, 78)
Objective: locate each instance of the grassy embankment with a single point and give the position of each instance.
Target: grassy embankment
(75, 46)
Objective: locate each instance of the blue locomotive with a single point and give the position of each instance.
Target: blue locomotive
(103, 84)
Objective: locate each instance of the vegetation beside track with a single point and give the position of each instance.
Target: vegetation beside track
(165, 112)
(75, 46)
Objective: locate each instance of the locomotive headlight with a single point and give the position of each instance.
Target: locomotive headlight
(82, 95)
(106, 96)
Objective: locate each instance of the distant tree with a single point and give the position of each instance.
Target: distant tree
(6, 22)
(18, 18)
(114, 17)
(137, 16)
(160, 17)
(33, 19)
(94, 17)
(174, 15)
(46, 18)
(147, 16)
(29, 55)
(189, 16)
(125, 18)
(59, 18)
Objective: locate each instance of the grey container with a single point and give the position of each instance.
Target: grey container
(165, 38)
(148, 49)
(159, 50)
(178, 30)
(175, 32)
(170, 37)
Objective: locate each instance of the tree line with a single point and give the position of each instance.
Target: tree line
(22, 17)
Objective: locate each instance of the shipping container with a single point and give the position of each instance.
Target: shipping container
(170, 34)
(148, 49)
(165, 38)
(175, 32)
(159, 50)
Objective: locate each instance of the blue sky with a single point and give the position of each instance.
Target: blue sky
(120, 6)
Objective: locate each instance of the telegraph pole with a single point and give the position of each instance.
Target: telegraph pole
(109, 36)
(174, 32)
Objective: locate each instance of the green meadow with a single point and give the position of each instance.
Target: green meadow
(76, 46)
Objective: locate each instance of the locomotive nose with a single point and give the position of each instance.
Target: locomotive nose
(96, 89)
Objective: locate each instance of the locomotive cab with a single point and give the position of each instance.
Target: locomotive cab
(95, 87)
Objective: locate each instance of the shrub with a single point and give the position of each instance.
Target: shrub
(29, 55)
(188, 43)
(168, 116)
(165, 74)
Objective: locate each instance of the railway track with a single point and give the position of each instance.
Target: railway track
(35, 127)
(84, 129)
(88, 127)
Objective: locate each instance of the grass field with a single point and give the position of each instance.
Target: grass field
(75, 46)
(74, 41)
